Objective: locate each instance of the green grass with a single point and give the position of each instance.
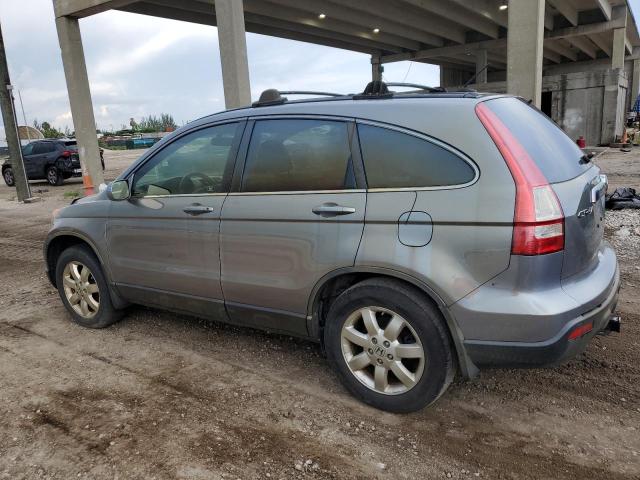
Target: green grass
(72, 194)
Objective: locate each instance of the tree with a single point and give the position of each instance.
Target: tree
(47, 130)
(155, 124)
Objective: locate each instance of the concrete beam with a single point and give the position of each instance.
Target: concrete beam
(84, 123)
(603, 41)
(471, 47)
(233, 53)
(362, 19)
(525, 49)
(635, 82)
(587, 29)
(566, 9)
(605, 8)
(390, 9)
(459, 15)
(84, 8)
(583, 44)
(551, 55)
(487, 8)
(331, 25)
(558, 46)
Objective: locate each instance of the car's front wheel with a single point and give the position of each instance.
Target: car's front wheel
(9, 179)
(83, 288)
(54, 177)
(389, 345)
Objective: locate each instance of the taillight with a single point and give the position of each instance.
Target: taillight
(538, 221)
(67, 153)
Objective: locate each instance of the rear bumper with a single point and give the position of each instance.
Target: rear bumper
(515, 322)
(550, 352)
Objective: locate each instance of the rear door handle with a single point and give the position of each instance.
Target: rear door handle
(332, 210)
(194, 210)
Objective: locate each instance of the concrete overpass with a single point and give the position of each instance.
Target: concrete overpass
(559, 47)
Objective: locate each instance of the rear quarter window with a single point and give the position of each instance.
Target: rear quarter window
(557, 156)
(394, 159)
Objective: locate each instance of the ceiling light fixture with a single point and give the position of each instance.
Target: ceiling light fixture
(376, 30)
(322, 16)
(503, 7)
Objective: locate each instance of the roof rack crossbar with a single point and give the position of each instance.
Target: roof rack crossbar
(417, 86)
(309, 92)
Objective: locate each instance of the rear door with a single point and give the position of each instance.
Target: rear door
(296, 214)
(576, 182)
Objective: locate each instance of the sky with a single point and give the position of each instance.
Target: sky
(140, 65)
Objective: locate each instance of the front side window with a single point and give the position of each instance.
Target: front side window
(393, 159)
(197, 163)
(298, 155)
(28, 149)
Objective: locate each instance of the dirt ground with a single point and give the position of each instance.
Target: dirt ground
(165, 396)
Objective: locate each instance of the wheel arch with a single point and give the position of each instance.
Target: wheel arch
(335, 282)
(59, 241)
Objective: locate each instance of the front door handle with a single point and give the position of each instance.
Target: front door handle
(196, 209)
(332, 210)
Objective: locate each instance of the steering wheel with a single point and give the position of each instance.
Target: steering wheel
(207, 183)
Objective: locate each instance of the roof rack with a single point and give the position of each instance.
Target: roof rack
(418, 87)
(274, 97)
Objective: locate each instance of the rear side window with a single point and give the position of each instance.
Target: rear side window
(298, 155)
(393, 159)
(44, 147)
(557, 156)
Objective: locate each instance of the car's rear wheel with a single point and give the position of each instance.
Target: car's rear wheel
(9, 179)
(389, 345)
(83, 288)
(54, 176)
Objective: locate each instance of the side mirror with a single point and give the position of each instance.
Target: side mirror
(118, 190)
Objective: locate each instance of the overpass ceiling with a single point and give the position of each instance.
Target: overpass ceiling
(432, 31)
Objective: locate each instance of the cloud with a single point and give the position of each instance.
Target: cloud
(140, 65)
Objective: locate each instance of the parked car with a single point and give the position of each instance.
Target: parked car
(50, 160)
(412, 235)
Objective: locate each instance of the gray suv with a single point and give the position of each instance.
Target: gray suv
(413, 235)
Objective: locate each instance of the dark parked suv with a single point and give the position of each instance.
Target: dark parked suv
(50, 160)
(413, 235)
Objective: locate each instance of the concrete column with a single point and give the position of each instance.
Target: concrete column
(524, 49)
(75, 71)
(618, 50)
(481, 67)
(233, 52)
(635, 83)
(376, 68)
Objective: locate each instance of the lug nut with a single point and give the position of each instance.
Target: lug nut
(374, 340)
(390, 357)
(370, 351)
(380, 361)
(386, 344)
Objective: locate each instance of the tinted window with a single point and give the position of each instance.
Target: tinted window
(557, 156)
(294, 155)
(28, 149)
(44, 147)
(197, 163)
(394, 159)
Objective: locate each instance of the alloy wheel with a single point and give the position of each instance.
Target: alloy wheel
(382, 350)
(81, 289)
(8, 177)
(52, 176)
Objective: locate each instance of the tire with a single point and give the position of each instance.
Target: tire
(8, 176)
(54, 177)
(82, 257)
(399, 308)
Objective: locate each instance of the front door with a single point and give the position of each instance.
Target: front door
(31, 162)
(163, 242)
(297, 215)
